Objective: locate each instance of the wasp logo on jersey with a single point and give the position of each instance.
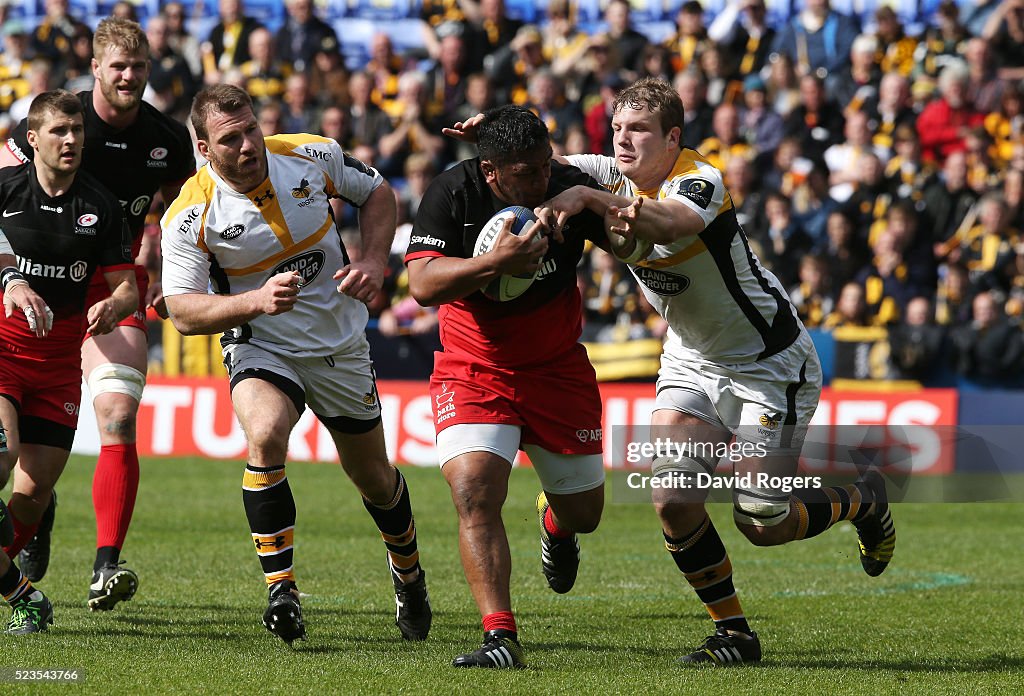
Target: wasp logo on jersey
(302, 190)
(307, 265)
(700, 191)
(662, 283)
(232, 232)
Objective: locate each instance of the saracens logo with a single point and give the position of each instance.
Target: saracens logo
(307, 265)
(662, 283)
(233, 231)
(88, 220)
(158, 153)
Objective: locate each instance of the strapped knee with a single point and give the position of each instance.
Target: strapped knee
(112, 378)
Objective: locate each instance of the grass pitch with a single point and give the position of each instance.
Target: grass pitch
(944, 618)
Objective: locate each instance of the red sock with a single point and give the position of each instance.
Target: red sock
(23, 533)
(114, 488)
(500, 619)
(552, 528)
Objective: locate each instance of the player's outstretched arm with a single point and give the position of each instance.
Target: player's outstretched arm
(437, 280)
(199, 313)
(363, 279)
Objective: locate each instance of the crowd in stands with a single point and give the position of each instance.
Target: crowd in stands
(878, 173)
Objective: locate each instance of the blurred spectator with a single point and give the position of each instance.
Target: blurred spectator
(1013, 194)
(547, 100)
(690, 39)
(600, 63)
(608, 285)
(982, 172)
(479, 98)
(943, 42)
(1006, 123)
(948, 200)
(895, 48)
(747, 200)
(123, 9)
(270, 118)
(978, 13)
(412, 132)
(742, 27)
(760, 126)
(850, 309)
(812, 295)
(657, 63)
(846, 251)
(697, 114)
(386, 68)
(857, 83)
(78, 63)
(564, 44)
(783, 85)
(917, 342)
(718, 71)
(301, 34)
(984, 87)
(434, 13)
(300, 110)
(781, 174)
(40, 74)
(903, 223)
(780, 239)
(179, 37)
(989, 349)
(490, 31)
(1006, 282)
(597, 121)
(335, 124)
(818, 121)
(870, 199)
(228, 44)
(843, 159)
(446, 80)
(944, 122)
(515, 65)
(265, 76)
(53, 35)
(419, 172)
(954, 295)
(889, 109)
(905, 173)
(725, 143)
(629, 42)
(812, 205)
(14, 64)
(369, 123)
(818, 39)
(1005, 30)
(981, 245)
(329, 78)
(171, 83)
(886, 281)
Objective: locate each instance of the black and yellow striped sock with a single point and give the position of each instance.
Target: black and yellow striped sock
(14, 585)
(270, 509)
(702, 558)
(817, 509)
(398, 529)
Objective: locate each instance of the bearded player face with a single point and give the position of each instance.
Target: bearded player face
(121, 77)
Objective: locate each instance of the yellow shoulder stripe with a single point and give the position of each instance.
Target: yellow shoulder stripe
(287, 143)
(198, 190)
(697, 247)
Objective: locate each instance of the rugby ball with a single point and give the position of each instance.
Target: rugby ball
(506, 287)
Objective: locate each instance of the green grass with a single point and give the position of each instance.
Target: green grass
(944, 619)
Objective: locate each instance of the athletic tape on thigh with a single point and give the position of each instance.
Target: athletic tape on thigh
(112, 378)
(759, 508)
(686, 460)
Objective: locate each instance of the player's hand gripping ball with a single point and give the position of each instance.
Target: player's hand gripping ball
(506, 287)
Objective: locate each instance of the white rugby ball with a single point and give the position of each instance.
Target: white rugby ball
(506, 287)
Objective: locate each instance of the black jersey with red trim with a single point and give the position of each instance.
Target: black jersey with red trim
(540, 324)
(59, 243)
(133, 163)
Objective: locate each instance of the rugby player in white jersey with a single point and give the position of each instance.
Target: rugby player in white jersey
(738, 366)
(256, 225)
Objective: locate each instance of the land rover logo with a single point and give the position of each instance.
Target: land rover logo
(307, 265)
(662, 283)
(233, 231)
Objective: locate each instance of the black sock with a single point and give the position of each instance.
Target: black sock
(270, 509)
(398, 529)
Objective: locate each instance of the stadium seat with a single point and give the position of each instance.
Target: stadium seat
(371, 9)
(356, 33)
(523, 10)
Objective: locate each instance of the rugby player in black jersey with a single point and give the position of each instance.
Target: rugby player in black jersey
(61, 226)
(135, 151)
